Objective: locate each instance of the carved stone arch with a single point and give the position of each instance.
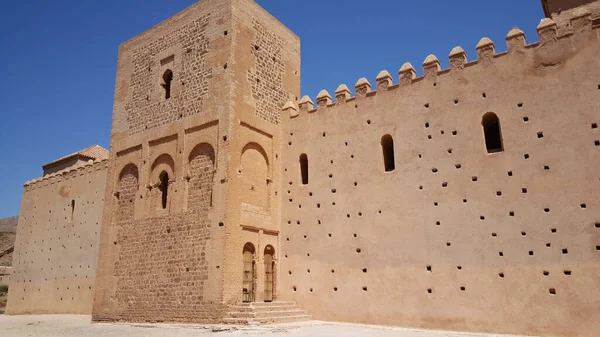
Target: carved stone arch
(162, 174)
(254, 174)
(256, 147)
(201, 168)
(162, 163)
(126, 189)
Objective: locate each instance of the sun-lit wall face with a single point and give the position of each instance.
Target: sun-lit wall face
(56, 250)
(489, 219)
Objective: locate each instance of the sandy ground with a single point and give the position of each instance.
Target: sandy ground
(81, 326)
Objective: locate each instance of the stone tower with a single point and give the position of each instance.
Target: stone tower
(194, 165)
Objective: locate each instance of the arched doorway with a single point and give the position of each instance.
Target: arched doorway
(248, 277)
(269, 273)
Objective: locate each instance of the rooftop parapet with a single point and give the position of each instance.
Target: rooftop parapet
(515, 39)
(547, 30)
(342, 93)
(290, 108)
(323, 99)
(384, 80)
(65, 174)
(362, 87)
(407, 74)
(457, 58)
(581, 24)
(485, 50)
(306, 104)
(431, 66)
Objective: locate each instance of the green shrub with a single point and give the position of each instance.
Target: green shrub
(4, 289)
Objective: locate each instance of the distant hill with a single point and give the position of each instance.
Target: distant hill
(9, 225)
(8, 234)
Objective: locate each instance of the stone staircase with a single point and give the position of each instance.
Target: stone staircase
(265, 313)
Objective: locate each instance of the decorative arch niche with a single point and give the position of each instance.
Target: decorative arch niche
(162, 174)
(201, 168)
(254, 172)
(126, 189)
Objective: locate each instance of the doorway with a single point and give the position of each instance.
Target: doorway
(269, 272)
(248, 277)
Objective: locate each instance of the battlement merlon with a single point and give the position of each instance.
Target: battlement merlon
(580, 23)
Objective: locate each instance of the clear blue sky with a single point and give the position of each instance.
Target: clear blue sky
(58, 59)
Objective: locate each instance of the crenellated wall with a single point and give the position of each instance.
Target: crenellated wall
(56, 249)
(453, 237)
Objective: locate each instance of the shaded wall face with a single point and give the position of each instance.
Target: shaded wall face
(56, 249)
(563, 10)
(454, 237)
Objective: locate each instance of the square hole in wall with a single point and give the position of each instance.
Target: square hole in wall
(565, 251)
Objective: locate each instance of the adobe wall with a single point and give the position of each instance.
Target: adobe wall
(561, 11)
(56, 248)
(453, 238)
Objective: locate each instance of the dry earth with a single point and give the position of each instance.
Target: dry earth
(80, 326)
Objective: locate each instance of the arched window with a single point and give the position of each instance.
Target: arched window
(304, 168)
(72, 209)
(164, 188)
(167, 78)
(387, 146)
(491, 130)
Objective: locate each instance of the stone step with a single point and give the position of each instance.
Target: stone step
(265, 314)
(266, 304)
(269, 320)
(263, 308)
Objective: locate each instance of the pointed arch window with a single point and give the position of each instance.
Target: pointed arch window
(164, 188)
(168, 79)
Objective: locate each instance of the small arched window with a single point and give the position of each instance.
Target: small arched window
(387, 146)
(492, 133)
(304, 168)
(164, 188)
(72, 209)
(167, 78)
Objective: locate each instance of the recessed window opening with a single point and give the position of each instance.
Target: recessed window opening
(167, 78)
(491, 130)
(164, 188)
(387, 145)
(304, 168)
(72, 209)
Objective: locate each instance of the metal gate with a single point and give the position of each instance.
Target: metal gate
(248, 289)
